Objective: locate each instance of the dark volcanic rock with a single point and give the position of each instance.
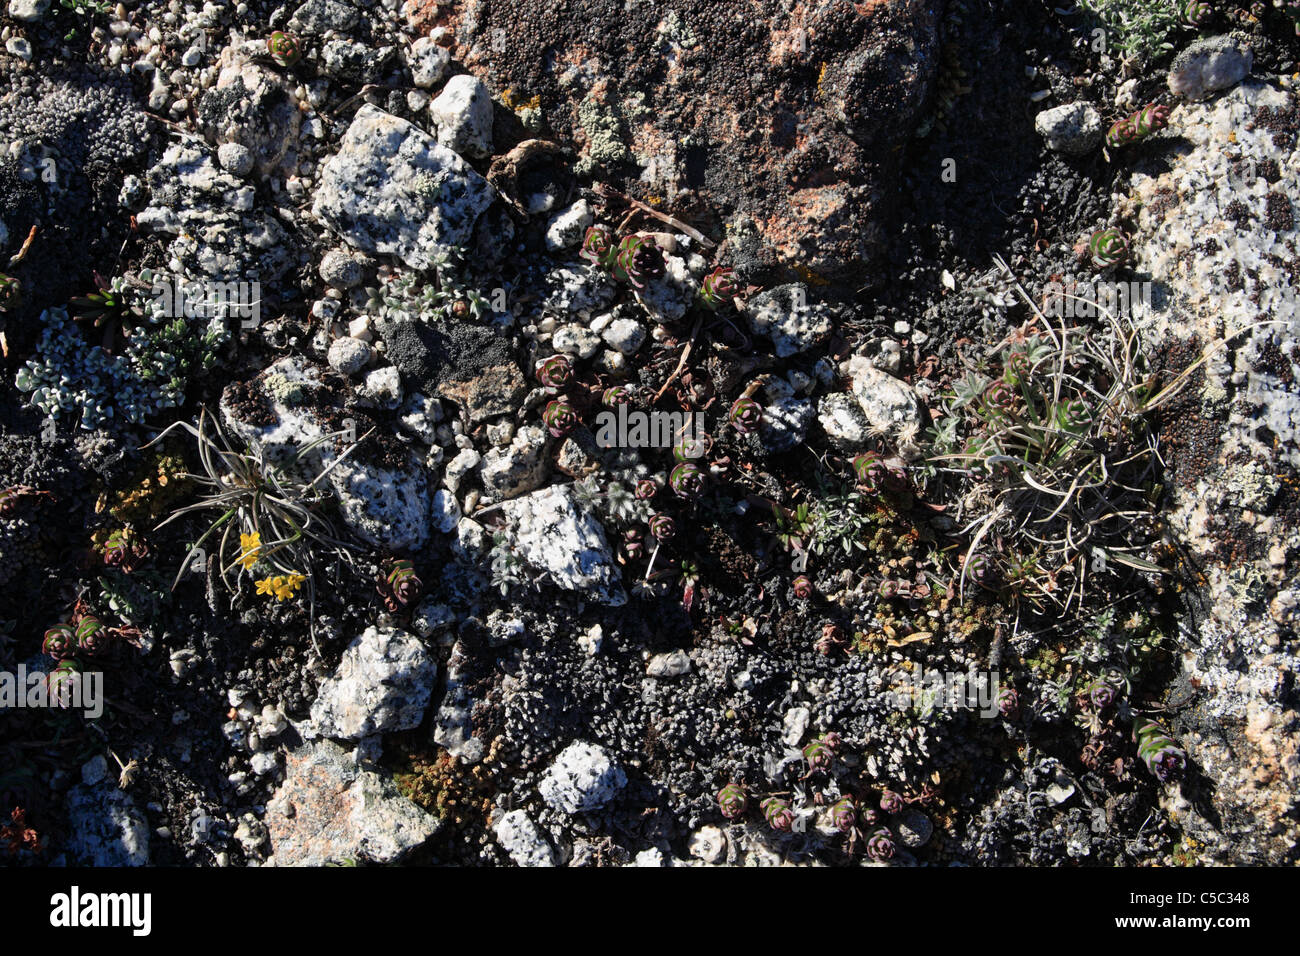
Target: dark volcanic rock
(790, 119)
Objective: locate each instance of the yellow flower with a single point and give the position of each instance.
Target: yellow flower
(287, 586)
(265, 586)
(250, 546)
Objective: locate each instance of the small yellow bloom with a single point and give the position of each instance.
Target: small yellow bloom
(250, 546)
(265, 586)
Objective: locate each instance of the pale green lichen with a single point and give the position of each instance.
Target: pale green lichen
(604, 131)
(285, 390)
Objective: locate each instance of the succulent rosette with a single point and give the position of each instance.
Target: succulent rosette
(844, 814)
(646, 489)
(284, 48)
(634, 542)
(1001, 396)
(555, 371)
(1107, 247)
(778, 814)
(687, 480)
(1073, 415)
(638, 260)
(1008, 703)
(819, 754)
(10, 293)
(718, 287)
(403, 584)
(598, 247)
(92, 636)
(888, 589)
(689, 448)
(870, 469)
(1151, 119)
(1196, 12)
(880, 845)
(732, 801)
(616, 395)
(1101, 694)
(663, 527)
(560, 418)
(62, 681)
(891, 801)
(1158, 751)
(803, 587)
(981, 570)
(60, 642)
(745, 415)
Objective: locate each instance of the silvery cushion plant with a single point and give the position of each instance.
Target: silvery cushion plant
(149, 373)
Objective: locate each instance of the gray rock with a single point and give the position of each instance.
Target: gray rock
(392, 189)
(105, 827)
(354, 62)
(431, 618)
(428, 62)
(667, 298)
(581, 779)
(465, 462)
(784, 315)
(348, 356)
(220, 232)
(517, 469)
(569, 226)
(1075, 128)
(625, 335)
(1210, 65)
(317, 17)
(672, 664)
(328, 810)
(250, 105)
(844, 423)
(785, 423)
(913, 828)
(709, 844)
(462, 113)
(235, 159)
(521, 839)
(382, 387)
(891, 406)
(383, 684)
(453, 724)
(28, 11)
(576, 340)
(420, 416)
(341, 269)
(555, 537)
(446, 511)
(20, 47)
(579, 290)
